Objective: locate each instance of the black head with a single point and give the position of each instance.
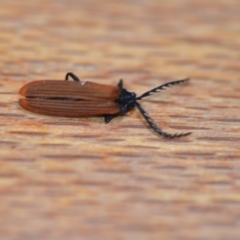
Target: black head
(126, 101)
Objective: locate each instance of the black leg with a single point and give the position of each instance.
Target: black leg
(108, 118)
(153, 125)
(120, 84)
(73, 76)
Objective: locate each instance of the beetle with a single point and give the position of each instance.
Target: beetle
(87, 99)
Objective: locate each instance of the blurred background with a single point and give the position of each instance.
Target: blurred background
(63, 178)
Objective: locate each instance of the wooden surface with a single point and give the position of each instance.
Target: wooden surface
(64, 178)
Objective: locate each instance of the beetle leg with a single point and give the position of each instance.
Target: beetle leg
(120, 84)
(108, 118)
(73, 76)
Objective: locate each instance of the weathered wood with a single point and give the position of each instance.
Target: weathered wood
(68, 178)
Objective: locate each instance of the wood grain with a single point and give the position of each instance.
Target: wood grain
(66, 178)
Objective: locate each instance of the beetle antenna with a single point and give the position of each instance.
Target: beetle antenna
(162, 87)
(154, 126)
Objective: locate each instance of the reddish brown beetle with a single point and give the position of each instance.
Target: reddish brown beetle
(86, 99)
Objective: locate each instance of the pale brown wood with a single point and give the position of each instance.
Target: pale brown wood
(72, 178)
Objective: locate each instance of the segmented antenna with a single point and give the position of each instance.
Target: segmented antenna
(153, 125)
(162, 87)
